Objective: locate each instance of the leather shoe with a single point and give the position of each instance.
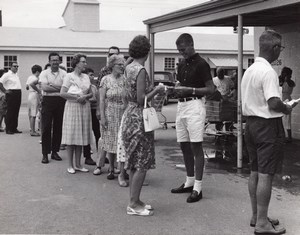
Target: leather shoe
(10, 132)
(89, 161)
(45, 159)
(56, 157)
(194, 197)
(17, 131)
(110, 175)
(182, 189)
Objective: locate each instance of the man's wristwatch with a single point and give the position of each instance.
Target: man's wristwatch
(194, 91)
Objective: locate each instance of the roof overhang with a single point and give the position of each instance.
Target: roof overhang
(225, 13)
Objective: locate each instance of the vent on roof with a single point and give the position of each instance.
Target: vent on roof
(82, 15)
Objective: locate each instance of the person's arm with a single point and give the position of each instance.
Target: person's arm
(64, 94)
(141, 87)
(102, 92)
(3, 79)
(2, 88)
(34, 87)
(98, 105)
(278, 106)
(183, 91)
(83, 98)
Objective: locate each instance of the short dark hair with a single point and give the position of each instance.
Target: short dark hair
(76, 59)
(36, 68)
(139, 47)
(46, 66)
(288, 71)
(114, 48)
(52, 54)
(185, 38)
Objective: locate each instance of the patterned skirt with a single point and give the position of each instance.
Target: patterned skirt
(138, 144)
(109, 136)
(77, 124)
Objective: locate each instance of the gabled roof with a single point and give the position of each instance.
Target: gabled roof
(37, 39)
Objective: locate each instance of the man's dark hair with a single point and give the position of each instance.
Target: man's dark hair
(52, 54)
(185, 38)
(36, 68)
(114, 48)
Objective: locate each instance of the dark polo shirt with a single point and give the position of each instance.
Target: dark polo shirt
(194, 72)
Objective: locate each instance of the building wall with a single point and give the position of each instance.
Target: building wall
(69, 16)
(289, 57)
(86, 17)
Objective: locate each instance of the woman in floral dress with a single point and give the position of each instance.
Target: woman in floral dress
(111, 109)
(138, 144)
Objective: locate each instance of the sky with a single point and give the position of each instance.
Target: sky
(114, 14)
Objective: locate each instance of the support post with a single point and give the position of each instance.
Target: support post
(239, 105)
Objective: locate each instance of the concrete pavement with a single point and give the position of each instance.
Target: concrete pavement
(45, 199)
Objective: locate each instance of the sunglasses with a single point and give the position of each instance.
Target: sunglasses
(110, 54)
(15, 66)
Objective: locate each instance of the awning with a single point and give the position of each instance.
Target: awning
(222, 62)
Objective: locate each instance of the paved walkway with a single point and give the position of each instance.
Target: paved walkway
(45, 199)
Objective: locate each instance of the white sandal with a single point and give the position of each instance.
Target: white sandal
(142, 212)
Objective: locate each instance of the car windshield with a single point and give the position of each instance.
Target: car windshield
(161, 77)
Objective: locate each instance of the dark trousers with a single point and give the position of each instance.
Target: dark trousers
(52, 118)
(13, 100)
(96, 131)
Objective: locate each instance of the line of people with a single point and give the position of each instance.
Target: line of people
(66, 113)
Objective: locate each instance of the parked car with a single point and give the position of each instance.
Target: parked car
(167, 79)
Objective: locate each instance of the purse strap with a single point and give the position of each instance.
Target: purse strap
(145, 102)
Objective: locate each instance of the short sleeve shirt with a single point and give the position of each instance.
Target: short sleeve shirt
(31, 79)
(11, 81)
(193, 72)
(55, 78)
(224, 85)
(259, 83)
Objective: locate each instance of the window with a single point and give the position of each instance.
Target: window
(250, 61)
(69, 67)
(169, 64)
(8, 60)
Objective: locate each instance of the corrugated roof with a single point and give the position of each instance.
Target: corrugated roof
(63, 39)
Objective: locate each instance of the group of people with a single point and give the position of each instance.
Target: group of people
(69, 114)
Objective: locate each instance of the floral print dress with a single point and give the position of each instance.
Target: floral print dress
(138, 144)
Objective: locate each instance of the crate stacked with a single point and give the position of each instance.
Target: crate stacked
(219, 111)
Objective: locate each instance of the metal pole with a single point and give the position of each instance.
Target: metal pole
(239, 104)
(150, 61)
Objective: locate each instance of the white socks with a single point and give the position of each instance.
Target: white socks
(189, 181)
(198, 185)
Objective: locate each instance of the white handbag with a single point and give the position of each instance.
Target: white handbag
(151, 121)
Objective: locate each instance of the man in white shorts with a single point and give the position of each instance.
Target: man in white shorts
(195, 82)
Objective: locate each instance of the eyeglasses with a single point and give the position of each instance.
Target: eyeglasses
(120, 65)
(280, 47)
(83, 61)
(55, 60)
(110, 54)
